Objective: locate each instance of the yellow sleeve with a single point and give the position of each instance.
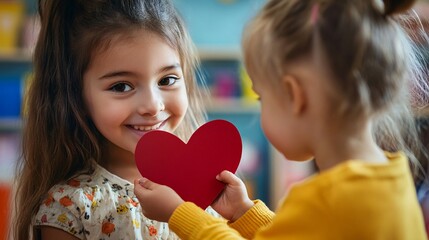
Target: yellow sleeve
(255, 218)
(191, 222)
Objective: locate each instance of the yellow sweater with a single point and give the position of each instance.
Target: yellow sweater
(355, 200)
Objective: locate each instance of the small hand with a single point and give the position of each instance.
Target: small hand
(233, 201)
(158, 202)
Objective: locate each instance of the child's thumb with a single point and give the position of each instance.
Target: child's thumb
(228, 177)
(139, 191)
(146, 183)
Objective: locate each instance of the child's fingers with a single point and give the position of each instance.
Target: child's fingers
(228, 178)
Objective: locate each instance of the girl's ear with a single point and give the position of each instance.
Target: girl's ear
(296, 93)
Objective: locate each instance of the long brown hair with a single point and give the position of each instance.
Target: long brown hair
(367, 48)
(59, 138)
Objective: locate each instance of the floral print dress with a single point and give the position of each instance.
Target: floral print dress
(99, 206)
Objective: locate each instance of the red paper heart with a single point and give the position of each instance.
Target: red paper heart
(190, 169)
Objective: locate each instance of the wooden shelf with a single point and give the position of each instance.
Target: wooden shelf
(10, 124)
(18, 56)
(232, 105)
(219, 53)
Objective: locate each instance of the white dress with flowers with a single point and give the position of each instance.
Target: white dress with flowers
(99, 206)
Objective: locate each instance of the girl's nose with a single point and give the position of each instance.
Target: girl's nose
(150, 102)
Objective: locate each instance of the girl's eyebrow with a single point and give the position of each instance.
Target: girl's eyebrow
(116, 74)
(170, 67)
(127, 73)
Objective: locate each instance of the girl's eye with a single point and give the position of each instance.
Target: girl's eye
(121, 87)
(167, 81)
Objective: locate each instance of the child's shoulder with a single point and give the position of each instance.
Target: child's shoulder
(86, 201)
(354, 178)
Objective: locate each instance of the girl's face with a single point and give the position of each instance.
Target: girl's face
(134, 86)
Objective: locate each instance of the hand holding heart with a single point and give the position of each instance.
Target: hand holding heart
(158, 202)
(234, 201)
(190, 170)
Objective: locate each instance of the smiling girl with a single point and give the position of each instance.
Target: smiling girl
(106, 72)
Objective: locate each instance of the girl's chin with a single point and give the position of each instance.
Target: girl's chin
(296, 158)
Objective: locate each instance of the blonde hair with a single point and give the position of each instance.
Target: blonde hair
(59, 138)
(375, 65)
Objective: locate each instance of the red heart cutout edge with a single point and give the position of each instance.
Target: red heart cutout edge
(190, 169)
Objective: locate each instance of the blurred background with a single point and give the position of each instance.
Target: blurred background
(216, 27)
